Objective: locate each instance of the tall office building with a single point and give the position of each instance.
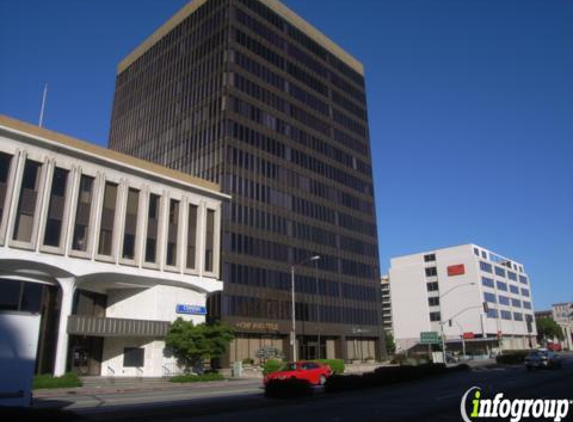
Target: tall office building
(247, 94)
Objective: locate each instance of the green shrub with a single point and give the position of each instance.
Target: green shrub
(248, 361)
(210, 376)
(272, 365)
(69, 380)
(512, 357)
(337, 365)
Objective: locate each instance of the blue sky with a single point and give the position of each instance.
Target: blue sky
(470, 106)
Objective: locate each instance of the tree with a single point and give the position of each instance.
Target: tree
(389, 342)
(192, 344)
(547, 328)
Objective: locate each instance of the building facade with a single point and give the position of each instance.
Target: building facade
(108, 249)
(386, 303)
(247, 94)
(562, 313)
(446, 289)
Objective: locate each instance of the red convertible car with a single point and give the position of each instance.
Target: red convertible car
(313, 372)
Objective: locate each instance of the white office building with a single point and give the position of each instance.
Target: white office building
(386, 303)
(445, 289)
(108, 249)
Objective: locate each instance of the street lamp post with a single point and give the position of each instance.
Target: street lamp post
(293, 308)
(463, 339)
(442, 322)
(317, 298)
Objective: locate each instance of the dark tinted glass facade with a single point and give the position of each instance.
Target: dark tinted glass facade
(239, 95)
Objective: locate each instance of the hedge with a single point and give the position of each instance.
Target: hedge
(68, 380)
(272, 365)
(387, 376)
(337, 365)
(512, 357)
(211, 376)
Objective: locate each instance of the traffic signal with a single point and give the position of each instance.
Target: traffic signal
(485, 307)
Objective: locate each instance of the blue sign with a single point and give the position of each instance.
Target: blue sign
(191, 309)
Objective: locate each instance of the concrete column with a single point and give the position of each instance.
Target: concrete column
(68, 287)
(342, 348)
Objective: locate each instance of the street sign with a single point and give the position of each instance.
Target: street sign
(190, 309)
(429, 337)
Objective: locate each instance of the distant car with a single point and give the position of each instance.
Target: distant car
(314, 372)
(554, 347)
(542, 359)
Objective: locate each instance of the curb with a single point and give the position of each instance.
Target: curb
(86, 391)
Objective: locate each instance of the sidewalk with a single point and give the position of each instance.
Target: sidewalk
(137, 385)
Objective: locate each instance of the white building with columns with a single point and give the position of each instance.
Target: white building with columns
(108, 249)
(445, 289)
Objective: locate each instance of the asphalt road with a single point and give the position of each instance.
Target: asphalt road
(432, 400)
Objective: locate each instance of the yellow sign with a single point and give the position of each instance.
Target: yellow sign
(258, 325)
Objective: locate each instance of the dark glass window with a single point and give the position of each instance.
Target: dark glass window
(434, 301)
(27, 202)
(489, 297)
(522, 279)
(512, 276)
(32, 297)
(505, 315)
(53, 233)
(130, 224)
(172, 232)
(5, 161)
(9, 295)
(209, 241)
(435, 316)
(133, 357)
(430, 257)
(431, 271)
(499, 271)
(152, 228)
(513, 289)
(486, 281)
(503, 300)
(492, 313)
(484, 266)
(191, 236)
(432, 287)
(516, 303)
(518, 316)
(107, 223)
(501, 285)
(83, 208)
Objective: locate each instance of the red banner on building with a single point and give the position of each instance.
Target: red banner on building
(456, 269)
